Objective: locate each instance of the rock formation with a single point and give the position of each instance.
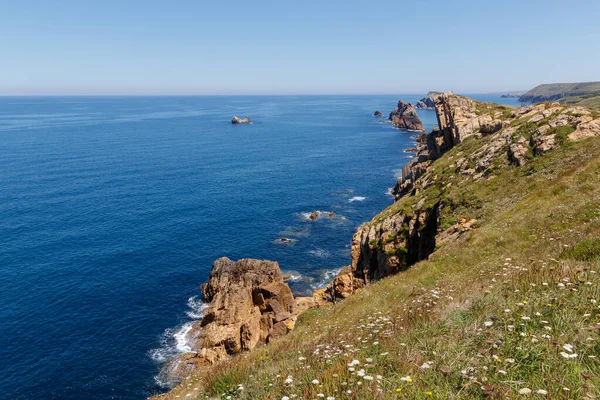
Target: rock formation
(237, 120)
(249, 304)
(405, 117)
(428, 102)
(377, 113)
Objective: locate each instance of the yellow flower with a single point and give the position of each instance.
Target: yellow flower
(499, 360)
(409, 380)
(524, 302)
(398, 390)
(429, 393)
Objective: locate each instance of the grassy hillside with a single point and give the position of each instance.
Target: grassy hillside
(586, 94)
(508, 310)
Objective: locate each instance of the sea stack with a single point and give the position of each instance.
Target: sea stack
(405, 117)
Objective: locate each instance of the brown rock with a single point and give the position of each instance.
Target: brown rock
(377, 113)
(313, 215)
(249, 303)
(586, 130)
(405, 117)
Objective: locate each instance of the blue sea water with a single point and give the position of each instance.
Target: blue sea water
(112, 210)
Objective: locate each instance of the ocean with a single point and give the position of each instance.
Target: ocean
(112, 210)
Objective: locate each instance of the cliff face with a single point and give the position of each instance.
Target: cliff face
(405, 117)
(410, 230)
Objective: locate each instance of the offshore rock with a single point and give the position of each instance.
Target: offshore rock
(428, 102)
(237, 120)
(377, 113)
(249, 304)
(405, 117)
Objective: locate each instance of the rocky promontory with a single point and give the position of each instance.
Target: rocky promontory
(396, 239)
(405, 117)
(248, 304)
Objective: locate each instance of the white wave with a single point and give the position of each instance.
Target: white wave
(197, 308)
(321, 253)
(182, 341)
(326, 277)
(390, 191)
(293, 277)
(356, 198)
(397, 173)
(177, 340)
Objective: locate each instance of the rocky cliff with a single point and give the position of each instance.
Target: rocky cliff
(405, 117)
(417, 224)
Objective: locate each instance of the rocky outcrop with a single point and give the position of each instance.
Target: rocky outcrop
(248, 304)
(237, 120)
(405, 117)
(386, 247)
(428, 102)
(377, 113)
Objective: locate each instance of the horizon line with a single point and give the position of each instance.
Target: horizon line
(249, 94)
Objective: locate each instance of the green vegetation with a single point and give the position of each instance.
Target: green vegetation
(585, 94)
(508, 310)
(561, 133)
(586, 250)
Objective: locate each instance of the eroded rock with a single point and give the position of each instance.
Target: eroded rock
(405, 117)
(249, 304)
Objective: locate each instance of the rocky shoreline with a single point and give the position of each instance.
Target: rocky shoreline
(249, 302)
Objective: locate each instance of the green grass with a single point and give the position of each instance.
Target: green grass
(487, 316)
(586, 94)
(586, 250)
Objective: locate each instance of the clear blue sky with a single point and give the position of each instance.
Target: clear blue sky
(299, 47)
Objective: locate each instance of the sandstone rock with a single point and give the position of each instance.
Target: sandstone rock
(405, 117)
(313, 215)
(377, 113)
(249, 303)
(237, 120)
(489, 127)
(517, 152)
(586, 130)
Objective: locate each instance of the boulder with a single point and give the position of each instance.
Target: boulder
(237, 120)
(405, 117)
(313, 215)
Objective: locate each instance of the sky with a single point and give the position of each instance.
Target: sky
(196, 47)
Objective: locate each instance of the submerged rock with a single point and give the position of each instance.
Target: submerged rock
(237, 120)
(249, 304)
(405, 117)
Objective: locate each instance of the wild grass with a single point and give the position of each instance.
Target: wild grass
(509, 310)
